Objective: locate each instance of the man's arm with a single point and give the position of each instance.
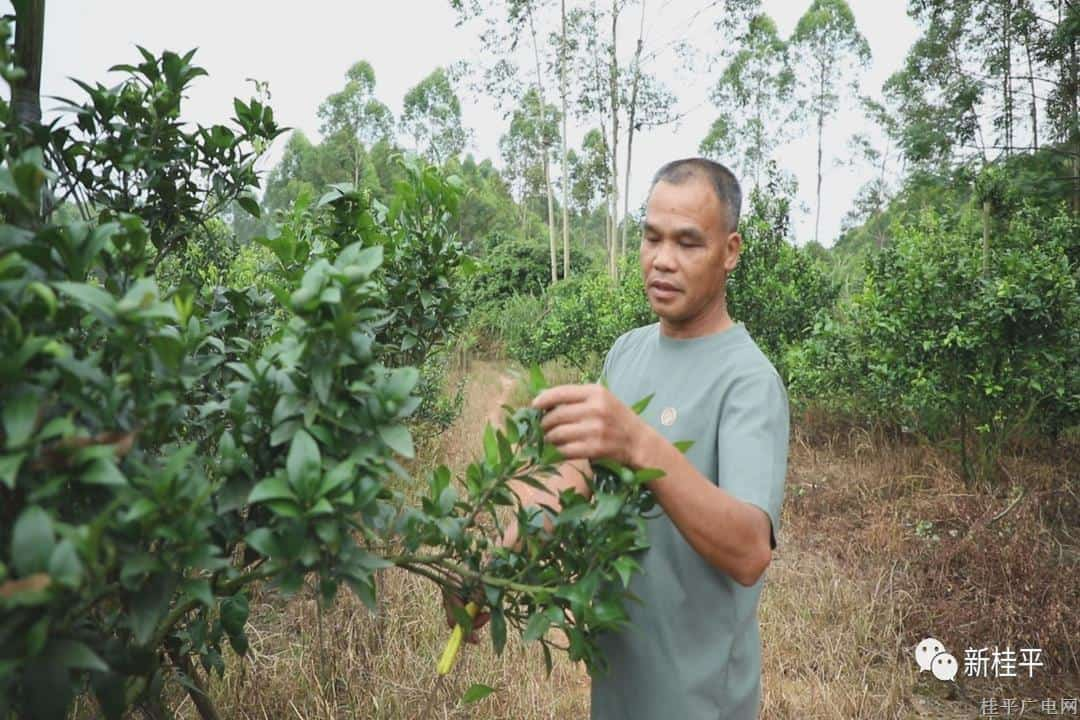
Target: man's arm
(732, 535)
(588, 422)
(571, 474)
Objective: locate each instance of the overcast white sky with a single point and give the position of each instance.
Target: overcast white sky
(303, 50)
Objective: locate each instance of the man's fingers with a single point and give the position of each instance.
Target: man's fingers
(570, 434)
(576, 450)
(563, 414)
(561, 395)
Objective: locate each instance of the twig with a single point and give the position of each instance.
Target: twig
(1019, 496)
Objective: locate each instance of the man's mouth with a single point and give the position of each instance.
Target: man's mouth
(663, 290)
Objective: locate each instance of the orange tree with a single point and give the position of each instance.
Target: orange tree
(163, 448)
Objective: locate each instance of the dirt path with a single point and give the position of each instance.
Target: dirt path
(506, 388)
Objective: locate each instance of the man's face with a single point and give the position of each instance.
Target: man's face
(686, 252)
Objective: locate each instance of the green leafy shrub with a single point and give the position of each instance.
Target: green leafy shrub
(582, 318)
(508, 268)
(935, 345)
(162, 449)
(777, 290)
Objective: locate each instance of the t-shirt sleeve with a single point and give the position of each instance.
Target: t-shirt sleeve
(612, 352)
(753, 443)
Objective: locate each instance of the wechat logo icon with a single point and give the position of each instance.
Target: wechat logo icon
(931, 655)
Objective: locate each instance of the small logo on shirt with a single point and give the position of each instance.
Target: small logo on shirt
(667, 416)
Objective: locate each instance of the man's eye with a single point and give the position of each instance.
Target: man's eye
(651, 238)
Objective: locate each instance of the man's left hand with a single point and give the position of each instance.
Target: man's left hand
(588, 422)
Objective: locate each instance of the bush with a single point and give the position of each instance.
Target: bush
(933, 345)
(161, 450)
(582, 318)
(508, 268)
(777, 290)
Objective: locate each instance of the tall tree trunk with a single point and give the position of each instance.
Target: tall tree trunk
(1075, 129)
(29, 40)
(563, 163)
(632, 112)
(544, 147)
(820, 133)
(551, 220)
(613, 89)
(1034, 101)
(1006, 78)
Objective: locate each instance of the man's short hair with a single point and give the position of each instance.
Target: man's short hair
(721, 179)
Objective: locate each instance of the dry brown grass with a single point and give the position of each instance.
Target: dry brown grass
(852, 588)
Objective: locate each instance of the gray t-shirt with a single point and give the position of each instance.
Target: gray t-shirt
(692, 650)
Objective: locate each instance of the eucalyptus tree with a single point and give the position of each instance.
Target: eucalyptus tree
(524, 148)
(590, 182)
(754, 95)
(356, 109)
(650, 103)
(506, 23)
(431, 116)
(956, 90)
(827, 43)
(353, 119)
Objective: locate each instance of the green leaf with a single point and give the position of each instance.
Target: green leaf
(304, 460)
(199, 589)
(103, 472)
(364, 589)
(234, 613)
(498, 630)
(263, 541)
(537, 626)
(626, 566)
(640, 405)
(401, 382)
(272, 488)
(476, 692)
(536, 383)
(32, 541)
(341, 473)
(93, 298)
(140, 509)
(65, 567)
(491, 447)
(142, 295)
(75, 655)
(607, 507)
(20, 416)
(646, 475)
(9, 468)
(148, 606)
(250, 204)
(284, 508)
(683, 445)
(398, 438)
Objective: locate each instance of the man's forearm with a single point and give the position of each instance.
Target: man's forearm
(733, 536)
(572, 474)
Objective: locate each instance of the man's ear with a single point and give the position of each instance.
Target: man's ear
(731, 252)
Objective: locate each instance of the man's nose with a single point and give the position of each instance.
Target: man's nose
(665, 257)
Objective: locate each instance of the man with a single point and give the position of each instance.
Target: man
(692, 650)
